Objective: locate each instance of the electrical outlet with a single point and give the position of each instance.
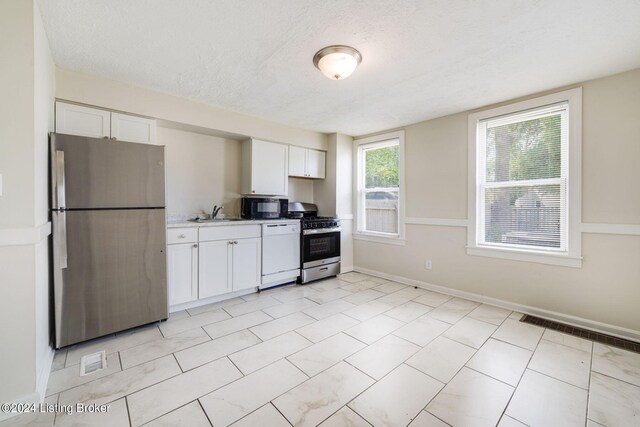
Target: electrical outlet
(427, 264)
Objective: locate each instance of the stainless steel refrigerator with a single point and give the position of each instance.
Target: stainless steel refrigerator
(109, 236)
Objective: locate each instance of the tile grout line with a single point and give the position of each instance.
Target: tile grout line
(615, 378)
(433, 415)
(276, 408)
(165, 354)
(126, 404)
(203, 411)
(489, 376)
(558, 379)
(504, 411)
(589, 385)
(366, 345)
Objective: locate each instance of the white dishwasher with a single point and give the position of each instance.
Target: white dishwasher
(280, 253)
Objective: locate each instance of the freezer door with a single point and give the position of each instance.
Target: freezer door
(90, 173)
(115, 274)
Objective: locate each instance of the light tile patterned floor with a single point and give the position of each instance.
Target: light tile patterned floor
(349, 351)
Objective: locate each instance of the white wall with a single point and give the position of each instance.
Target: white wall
(202, 171)
(333, 195)
(301, 190)
(114, 95)
(607, 287)
(26, 116)
(44, 88)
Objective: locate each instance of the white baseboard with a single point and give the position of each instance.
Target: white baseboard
(42, 379)
(28, 399)
(345, 268)
(211, 300)
(592, 325)
(37, 396)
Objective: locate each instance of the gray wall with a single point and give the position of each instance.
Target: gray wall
(607, 287)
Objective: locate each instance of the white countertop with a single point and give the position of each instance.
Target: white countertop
(218, 223)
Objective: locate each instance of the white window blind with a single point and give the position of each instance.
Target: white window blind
(522, 180)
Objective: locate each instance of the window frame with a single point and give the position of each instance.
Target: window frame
(358, 170)
(571, 256)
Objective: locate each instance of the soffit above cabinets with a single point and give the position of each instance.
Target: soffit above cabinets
(421, 59)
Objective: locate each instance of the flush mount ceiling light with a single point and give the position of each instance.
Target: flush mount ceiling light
(337, 62)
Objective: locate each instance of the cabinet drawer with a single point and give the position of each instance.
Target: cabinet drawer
(182, 235)
(229, 232)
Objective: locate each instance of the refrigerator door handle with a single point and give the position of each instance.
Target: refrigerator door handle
(60, 187)
(60, 242)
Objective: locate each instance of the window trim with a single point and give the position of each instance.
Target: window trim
(371, 236)
(573, 256)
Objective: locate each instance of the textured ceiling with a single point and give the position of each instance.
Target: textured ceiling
(421, 58)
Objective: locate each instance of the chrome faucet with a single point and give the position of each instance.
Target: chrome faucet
(216, 210)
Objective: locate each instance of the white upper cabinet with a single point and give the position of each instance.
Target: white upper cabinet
(306, 163)
(133, 128)
(265, 167)
(75, 119)
(297, 161)
(84, 121)
(316, 164)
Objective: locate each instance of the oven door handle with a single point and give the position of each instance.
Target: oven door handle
(322, 231)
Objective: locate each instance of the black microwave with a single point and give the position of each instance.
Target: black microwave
(263, 208)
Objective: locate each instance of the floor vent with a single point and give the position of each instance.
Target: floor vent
(583, 333)
(92, 363)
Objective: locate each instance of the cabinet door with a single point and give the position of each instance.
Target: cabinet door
(133, 129)
(246, 263)
(74, 119)
(269, 167)
(182, 269)
(315, 164)
(214, 268)
(297, 161)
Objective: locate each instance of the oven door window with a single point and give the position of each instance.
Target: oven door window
(321, 246)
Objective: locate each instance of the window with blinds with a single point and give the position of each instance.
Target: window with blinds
(522, 179)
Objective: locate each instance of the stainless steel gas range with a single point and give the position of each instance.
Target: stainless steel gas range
(319, 242)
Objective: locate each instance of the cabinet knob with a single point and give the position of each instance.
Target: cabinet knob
(235, 242)
(182, 236)
(195, 246)
(253, 191)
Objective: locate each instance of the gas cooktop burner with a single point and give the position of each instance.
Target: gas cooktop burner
(319, 218)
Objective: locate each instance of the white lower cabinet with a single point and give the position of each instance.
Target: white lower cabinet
(182, 272)
(246, 263)
(219, 260)
(215, 272)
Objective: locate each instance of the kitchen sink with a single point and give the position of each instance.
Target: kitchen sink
(205, 221)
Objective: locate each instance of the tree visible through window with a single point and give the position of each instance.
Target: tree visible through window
(379, 193)
(523, 182)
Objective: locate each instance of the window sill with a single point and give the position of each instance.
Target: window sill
(527, 256)
(379, 239)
